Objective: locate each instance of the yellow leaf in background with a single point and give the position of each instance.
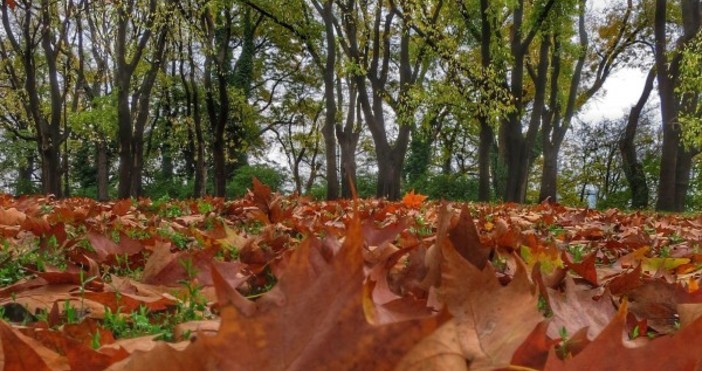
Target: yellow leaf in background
(656, 264)
(412, 199)
(488, 226)
(633, 258)
(549, 259)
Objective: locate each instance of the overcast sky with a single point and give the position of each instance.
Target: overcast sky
(621, 90)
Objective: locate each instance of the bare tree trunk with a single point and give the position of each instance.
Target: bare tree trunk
(675, 161)
(348, 141)
(133, 109)
(328, 131)
(633, 169)
(102, 170)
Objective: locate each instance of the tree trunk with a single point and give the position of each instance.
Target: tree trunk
(633, 170)
(133, 110)
(102, 170)
(671, 139)
(682, 177)
(674, 160)
(487, 135)
(24, 177)
(217, 66)
(200, 186)
(348, 141)
(241, 81)
(328, 131)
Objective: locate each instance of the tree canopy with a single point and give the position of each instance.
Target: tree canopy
(470, 99)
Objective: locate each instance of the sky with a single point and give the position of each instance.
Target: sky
(618, 94)
(620, 91)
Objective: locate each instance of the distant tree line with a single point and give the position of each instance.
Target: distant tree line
(466, 99)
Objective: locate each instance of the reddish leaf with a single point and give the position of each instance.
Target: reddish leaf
(491, 321)
(299, 324)
(534, 350)
(609, 351)
(20, 353)
(586, 268)
(121, 207)
(464, 237)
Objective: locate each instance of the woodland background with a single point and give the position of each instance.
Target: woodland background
(462, 99)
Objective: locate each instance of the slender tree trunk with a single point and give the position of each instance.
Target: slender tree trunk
(328, 131)
(102, 170)
(24, 177)
(682, 177)
(487, 136)
(633, 170)
(217, 97)
(348, 141)
(671, 138)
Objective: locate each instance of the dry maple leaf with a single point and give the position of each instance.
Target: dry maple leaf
(490, 321)
(579, 308)
(313, 319)
(609, 352)
(19, 352)
(413, 200)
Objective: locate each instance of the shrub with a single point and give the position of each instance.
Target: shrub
(243, 178)
(454, 187)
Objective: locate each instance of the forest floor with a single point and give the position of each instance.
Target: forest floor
(272, 282)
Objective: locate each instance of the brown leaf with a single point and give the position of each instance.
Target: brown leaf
(465, 238)
(105, 248)
(313, 319)
(579, 308)
(534, 350)
(610, 352)
(226, 277)
(121, 207)
(490, 322)
(586, 268)
(11, 216)
(19, 353)
(166, 268)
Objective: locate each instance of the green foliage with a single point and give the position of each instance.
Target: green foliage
(689, 90)
(168, 189)
(458, 187)
(243, 178)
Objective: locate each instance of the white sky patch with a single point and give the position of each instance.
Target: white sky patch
(619, 93)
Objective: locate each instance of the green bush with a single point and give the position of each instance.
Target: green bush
(243, 179)
(175, 188)
(367, 185)
(453, 187)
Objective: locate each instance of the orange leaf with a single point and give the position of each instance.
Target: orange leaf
(413, 200)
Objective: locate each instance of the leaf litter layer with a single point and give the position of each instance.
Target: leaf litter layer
(273, 282)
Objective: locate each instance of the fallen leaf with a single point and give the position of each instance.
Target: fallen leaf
(312, 319)
(413, 200)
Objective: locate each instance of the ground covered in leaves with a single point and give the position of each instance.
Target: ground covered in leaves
(273, 282)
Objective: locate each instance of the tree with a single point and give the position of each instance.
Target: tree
(136, 68)
(37, 37)
(633, 169)
(369, 51)
(614, 44)
(676, 160)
